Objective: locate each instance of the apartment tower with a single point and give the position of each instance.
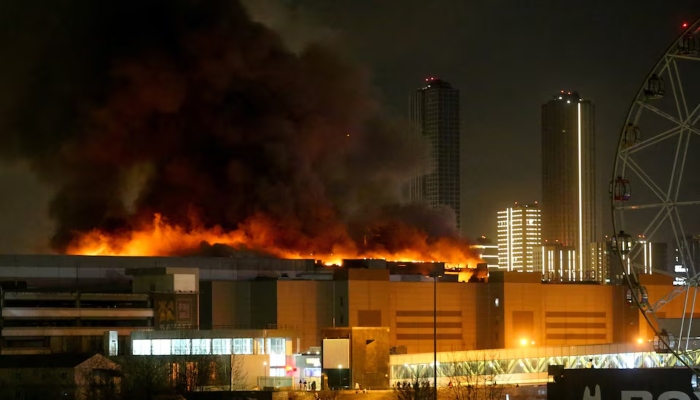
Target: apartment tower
(569, 208)
(434, 112)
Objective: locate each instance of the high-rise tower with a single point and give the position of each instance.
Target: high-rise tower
(434, 111)
(569, 208)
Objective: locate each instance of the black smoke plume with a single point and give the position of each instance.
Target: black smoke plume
(189, 109)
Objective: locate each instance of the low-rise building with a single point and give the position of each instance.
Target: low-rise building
(57, 376)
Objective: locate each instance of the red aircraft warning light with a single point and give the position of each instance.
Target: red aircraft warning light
(684, 25)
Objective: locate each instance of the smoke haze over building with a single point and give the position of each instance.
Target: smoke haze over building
(191, 111)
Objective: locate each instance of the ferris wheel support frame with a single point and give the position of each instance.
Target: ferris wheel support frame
(668, 200)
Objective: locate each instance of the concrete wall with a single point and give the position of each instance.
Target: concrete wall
(231, 304)
(500, 314)
(307, 307)
(557, 314)
(489, 316)
(241, 304)
(411, 315)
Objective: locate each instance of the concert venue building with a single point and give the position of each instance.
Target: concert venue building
(288, 315)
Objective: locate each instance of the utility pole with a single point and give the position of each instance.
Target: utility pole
(435, 277)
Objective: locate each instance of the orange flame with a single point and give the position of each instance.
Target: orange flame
(160, 238)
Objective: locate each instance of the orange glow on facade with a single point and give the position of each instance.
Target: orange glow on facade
(160, 238)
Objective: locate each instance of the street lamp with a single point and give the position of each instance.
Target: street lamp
(435, 276)
(435, 363)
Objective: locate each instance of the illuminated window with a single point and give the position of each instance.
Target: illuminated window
(242, 346)
(277, 372)
(278, 360)
(180, 346)
(161, 347)
(201, 346)
(260, 346)
(221, 346)
(276, 346)
(141, 347)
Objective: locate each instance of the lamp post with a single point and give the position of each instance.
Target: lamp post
(265, 372)
(435, 275)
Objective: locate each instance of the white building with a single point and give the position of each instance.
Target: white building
(518, 237)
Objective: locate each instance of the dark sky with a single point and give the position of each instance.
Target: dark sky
(506, 57)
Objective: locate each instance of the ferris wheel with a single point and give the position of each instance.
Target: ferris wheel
(655, 196)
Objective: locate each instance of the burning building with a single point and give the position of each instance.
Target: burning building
(193, 127)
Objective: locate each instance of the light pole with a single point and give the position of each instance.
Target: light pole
(265, 372)
(435, 332)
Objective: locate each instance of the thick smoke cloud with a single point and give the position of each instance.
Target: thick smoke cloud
(189, 109)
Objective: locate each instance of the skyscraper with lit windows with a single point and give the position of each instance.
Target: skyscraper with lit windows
(519, 237)
(434, 112)
(569, 208)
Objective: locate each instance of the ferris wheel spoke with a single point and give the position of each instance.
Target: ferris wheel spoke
(664, 66)
(677, 90)
(694, 280)
(676, 170)
(648, 232)
(686, 203)
(692, 128)
(686, 139)
(655, 223)
(663, 114)
(690, 319)
(684, 57)
(652, 140)
(691, 313)
(693, 117)
(656, 205)
(647, 180)
(677, 291)
(640, 206)
(660, 112)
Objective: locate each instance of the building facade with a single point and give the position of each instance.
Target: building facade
(607, 266)
(471, 314)
(600, 268)
(569, 206)
(556, 262)
(269, 312)
(434, 113)
(519, 237)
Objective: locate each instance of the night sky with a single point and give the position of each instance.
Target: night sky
(506, 57)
